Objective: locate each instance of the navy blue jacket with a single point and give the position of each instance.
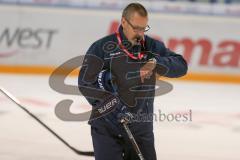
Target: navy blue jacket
(107, 47)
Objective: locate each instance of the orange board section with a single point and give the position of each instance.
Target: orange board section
(46, 70)
(210, 77)
(20, 69)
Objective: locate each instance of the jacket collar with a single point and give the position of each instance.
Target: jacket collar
(120, 30)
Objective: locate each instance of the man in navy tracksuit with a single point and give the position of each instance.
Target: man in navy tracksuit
(124, 65)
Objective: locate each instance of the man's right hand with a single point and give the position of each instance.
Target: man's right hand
(147, 70)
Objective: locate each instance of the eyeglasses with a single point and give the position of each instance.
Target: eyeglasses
(138, 29)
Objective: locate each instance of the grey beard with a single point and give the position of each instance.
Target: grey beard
(137, 40)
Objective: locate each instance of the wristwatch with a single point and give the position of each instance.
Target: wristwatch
(153, 59)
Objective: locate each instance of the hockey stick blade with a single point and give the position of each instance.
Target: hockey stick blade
(17, 102)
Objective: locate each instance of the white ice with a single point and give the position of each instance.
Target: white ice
(213, 133)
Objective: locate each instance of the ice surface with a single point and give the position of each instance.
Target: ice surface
(213, 133)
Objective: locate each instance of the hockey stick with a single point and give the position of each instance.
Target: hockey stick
(17, 102)
(132, 139)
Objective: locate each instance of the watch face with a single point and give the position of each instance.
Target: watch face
(153, 59)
